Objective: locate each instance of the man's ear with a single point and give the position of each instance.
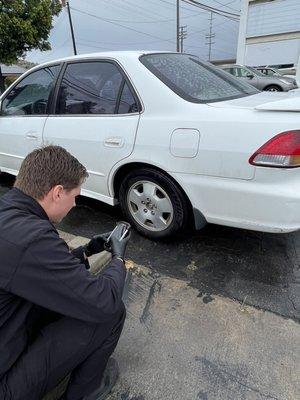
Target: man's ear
(57, 192)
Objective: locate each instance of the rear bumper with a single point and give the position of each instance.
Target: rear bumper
(269, 203)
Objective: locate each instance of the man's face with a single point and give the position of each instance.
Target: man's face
(66, 202)
(59, 201)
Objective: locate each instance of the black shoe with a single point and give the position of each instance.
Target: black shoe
(109, 379)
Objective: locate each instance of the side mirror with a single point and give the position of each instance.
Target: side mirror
(250, 76)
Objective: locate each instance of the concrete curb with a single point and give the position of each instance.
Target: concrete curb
(97, 263)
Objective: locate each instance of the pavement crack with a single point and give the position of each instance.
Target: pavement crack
(292, 301)
(156, 286)
(216, 370)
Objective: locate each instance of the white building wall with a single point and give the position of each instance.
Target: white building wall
(279, 16)
(272, 53)
(269, 32)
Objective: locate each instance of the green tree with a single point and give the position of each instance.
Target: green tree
(24, 25)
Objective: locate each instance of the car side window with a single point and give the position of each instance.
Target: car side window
(89, 88)
(127, 102)
(243, 73)
(233, 71)
(30, 96)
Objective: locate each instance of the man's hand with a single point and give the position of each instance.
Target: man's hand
(117, 246)
(96, 244)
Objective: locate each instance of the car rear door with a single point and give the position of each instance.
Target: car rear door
(96, 118)
(24, 110)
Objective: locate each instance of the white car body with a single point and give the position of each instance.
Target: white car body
(205, 148)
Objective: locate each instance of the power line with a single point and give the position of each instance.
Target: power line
(122, 26)
(128, 8)
(93, 47)
(125, 6)
(135, 6)
(141, 22)
(223, 13)
(213, 9)
(119, 43)
(203, 30)
(172, 4)
(227, 5)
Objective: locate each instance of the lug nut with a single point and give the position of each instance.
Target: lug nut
(145, 210)
(143, 202)
(152, 212)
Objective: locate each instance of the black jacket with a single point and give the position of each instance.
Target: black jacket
(37, 268)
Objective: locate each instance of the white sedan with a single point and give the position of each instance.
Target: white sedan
(169, 137)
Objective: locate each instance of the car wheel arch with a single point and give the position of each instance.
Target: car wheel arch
(280, 89)
(125, 169)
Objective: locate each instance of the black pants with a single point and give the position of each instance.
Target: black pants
(63, 346)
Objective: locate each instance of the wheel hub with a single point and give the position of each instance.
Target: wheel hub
(150, 205)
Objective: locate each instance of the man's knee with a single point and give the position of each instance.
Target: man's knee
(122, 315)
(122, 311)
(115, 325)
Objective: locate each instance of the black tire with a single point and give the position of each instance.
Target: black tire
(273, 88)
(176, 196)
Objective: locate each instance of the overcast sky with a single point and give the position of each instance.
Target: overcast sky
(104, 25)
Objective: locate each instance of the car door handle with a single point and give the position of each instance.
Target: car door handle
(113, 142)
(31, 135)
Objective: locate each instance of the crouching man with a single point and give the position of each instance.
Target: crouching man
(55, 317)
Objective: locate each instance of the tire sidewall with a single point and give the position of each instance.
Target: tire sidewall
(278, 89)
(179, 203)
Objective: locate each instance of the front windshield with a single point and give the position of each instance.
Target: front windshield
(255, 71)
(195, 80)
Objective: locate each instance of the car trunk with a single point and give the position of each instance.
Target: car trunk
(275, 101)
(231, 131)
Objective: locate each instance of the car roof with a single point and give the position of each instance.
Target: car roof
(121, 54)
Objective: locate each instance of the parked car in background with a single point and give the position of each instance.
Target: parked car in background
(258, 79)
(275, 72)
(287, 71)
(170, 138)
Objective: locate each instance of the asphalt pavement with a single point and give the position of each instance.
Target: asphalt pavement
(212, 316)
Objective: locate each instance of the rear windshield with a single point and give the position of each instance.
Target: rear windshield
(195, 80)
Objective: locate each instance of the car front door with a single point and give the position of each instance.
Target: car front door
(96, 119)
(24, 110)
(247, 75)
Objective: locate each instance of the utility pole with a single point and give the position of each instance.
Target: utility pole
(66, 4)
(210, 36)
(182, 36)
(177, 25)
(2, 86)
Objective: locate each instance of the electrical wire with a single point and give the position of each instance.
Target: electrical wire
(227, 5)
(122, 26)
(209, 8)
(120, 43)
(144, 10)
(173, 6)
(205, 29)
(124, 7)
(234, 17)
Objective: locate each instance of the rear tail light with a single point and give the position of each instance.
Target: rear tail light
(282, 151)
